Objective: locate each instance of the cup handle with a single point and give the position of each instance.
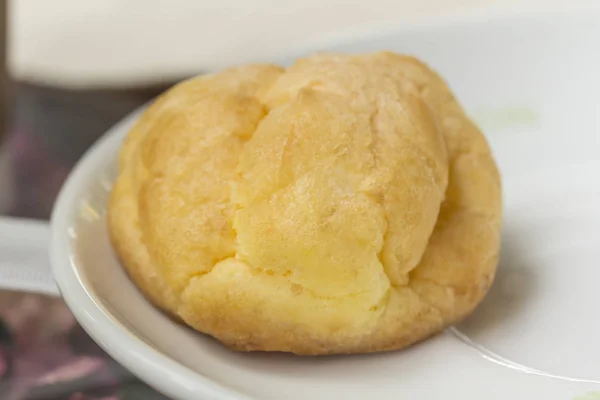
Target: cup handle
(24, 261)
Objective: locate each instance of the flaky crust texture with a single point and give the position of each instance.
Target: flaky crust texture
(345, 204)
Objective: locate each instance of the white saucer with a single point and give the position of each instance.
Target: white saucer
(533, 83)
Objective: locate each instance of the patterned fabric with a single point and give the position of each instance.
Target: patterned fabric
(44, 353)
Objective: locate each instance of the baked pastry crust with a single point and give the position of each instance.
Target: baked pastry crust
(345, 204)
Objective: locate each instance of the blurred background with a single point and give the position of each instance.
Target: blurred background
(72, 68)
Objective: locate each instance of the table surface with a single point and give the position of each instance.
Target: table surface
(44, 353)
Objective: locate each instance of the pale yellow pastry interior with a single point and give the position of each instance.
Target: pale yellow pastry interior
(345, 204)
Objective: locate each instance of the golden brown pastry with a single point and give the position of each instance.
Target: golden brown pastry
(343, 205)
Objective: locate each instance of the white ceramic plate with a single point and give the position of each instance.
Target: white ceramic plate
(533, 83)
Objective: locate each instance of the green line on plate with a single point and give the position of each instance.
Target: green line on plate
(589, 396)
(506, 117)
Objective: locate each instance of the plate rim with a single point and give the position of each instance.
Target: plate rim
(150, 365)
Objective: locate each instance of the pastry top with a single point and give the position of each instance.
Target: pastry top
(344, 204)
